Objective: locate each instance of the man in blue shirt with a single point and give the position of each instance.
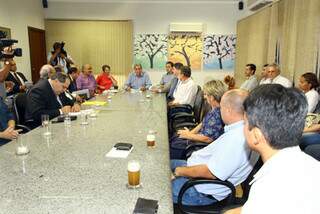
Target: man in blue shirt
(7, 124)
(138, 79)
(167, 77)
(227, 158)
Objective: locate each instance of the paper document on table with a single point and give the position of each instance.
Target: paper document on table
(95, 103)
(87, 111)
(116, 153)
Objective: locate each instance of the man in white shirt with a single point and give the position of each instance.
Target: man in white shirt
(288, 182)
(251, 81)
(276, 78)
(186, 90)
(264, 75)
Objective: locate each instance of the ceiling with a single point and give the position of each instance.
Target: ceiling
(148, 1)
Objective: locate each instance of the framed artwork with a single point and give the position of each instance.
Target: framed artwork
(150, 50)
(7, 31)
(187, 49)
(219, 52)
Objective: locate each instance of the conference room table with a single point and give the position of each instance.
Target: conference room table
(69, 172)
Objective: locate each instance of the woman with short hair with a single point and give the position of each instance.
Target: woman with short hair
(211, 126)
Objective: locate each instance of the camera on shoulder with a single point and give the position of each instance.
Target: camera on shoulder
(4, 42)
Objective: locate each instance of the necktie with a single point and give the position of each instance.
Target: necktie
(17, 78)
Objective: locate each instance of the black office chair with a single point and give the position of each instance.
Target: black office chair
(189, 119)
(313, 151)
(230, 201)
(19, 106)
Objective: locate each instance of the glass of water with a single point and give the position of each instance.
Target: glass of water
(46, 124)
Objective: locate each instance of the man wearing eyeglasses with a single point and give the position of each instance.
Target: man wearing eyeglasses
(44, 98)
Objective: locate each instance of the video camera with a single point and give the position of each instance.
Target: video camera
(7, 43)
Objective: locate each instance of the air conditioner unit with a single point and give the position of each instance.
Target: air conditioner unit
(255, 5)
(186, 27)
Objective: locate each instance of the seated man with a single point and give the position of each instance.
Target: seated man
(86, 80)
(186, 89)
(225, 159)
(17, 78)
(288, 182)
(167, 77)
(105, 80)
(251, 79)
(43, 98)
(138, 79)
(73, 74)
(276, 78)
(171, 86)
(209, 129)
(46, 71)
(7, 124)
(264, 75)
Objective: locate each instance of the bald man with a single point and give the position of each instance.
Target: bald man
(227, 158)
(86, 80)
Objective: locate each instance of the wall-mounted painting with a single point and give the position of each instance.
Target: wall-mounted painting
(7, 31)
(150, 50)
(187, 49)
(219, 52)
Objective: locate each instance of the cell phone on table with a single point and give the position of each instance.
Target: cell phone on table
(123, 146)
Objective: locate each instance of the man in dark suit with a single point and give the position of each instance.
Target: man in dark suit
(73, 73)
(44, 98)
(17, 78)
(174, 82)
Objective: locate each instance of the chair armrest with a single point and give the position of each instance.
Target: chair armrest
(179, 115)
(189, 125)
(192, 182)
(180, 108)
(194, 146)
(24, 128)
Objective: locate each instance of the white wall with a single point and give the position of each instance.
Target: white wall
(218, 17)
(18, 15)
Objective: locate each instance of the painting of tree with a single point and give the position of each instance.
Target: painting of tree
(187, 49)
(219, 52)
(151, 50)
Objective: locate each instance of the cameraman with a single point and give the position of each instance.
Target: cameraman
(4, 71)
(59, 57)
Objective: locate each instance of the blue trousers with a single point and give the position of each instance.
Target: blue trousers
(309, 139)
(191, 196)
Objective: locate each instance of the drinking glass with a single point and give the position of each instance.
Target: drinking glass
(46, 124)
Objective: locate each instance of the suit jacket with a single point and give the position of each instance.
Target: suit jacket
(73, 85)
(173, 86)
(16, 88)
(41, 99)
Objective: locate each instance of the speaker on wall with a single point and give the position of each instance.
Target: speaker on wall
(45, 3)
(240, 5)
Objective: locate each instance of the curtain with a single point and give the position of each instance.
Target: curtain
(252, 43)
(96, 43)
(293, 32)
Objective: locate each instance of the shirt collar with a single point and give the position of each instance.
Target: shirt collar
(233, 126)
(270, 163)
(185, 81)
(252, 77)
(142, 74)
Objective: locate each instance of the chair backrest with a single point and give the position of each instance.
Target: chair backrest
(198, 103)
(317, 109)
(19, 105)
(246, 184)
